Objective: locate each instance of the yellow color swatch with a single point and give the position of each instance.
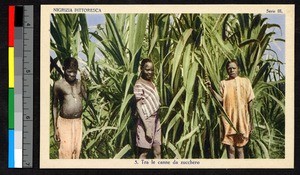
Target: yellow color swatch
(11, 67)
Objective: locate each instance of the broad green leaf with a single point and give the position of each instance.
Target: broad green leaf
(178, 52)
(123, 151)
(171, 124)
(175, 150)
(173, 103)
(188, 136)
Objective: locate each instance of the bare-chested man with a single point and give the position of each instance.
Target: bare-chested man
(68, 92)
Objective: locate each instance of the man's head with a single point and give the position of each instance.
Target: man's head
(232, 69)
(70, 69)
(147, 69)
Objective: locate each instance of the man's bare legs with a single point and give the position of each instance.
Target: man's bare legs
(143, 155)
(144, 152)
(240, 152)
(231, 150)
(157, 151)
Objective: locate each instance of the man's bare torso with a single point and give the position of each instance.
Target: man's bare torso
(70, 97)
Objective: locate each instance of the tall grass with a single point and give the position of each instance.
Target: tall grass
(186, 49)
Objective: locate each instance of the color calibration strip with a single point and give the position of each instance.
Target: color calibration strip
(11, 65)
(20, 86)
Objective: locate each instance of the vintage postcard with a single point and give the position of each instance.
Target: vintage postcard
(167, 86)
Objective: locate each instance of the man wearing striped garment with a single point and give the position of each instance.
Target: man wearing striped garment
(148, 133)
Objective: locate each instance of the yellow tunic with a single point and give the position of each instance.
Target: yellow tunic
(236, 94)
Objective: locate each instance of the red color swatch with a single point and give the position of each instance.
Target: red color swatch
(11, 25)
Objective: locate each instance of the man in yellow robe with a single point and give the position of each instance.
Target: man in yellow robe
(237, 98)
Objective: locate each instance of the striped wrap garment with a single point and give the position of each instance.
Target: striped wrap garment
(147, 92)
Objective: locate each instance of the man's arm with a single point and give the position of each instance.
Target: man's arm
(250, 115)
(84, 91)
(55, 111)
(220, 99)
(213, 92)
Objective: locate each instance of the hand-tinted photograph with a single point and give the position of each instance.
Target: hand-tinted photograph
(138, 87)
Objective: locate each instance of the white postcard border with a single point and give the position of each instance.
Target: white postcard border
(287, 162)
